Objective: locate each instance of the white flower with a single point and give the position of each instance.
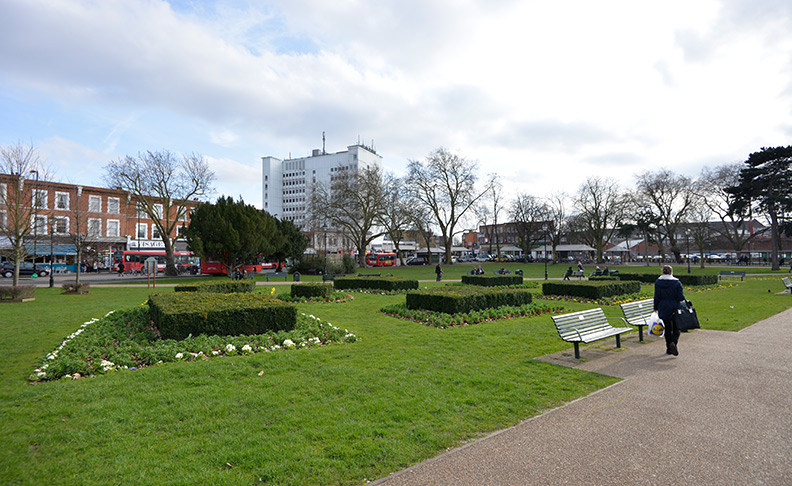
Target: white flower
(215, 352)
(246, 348)
(288, 343)
(41, 374)
(179, 356)
(230, 347)
(315, 340)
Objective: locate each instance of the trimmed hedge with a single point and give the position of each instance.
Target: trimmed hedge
(220, 287)
(684, 279)
(591, 290)
(312, 290)
(608, 278)
(19, 293)
(178, 315)
(375, 283)
(460, 299)
(492, 280)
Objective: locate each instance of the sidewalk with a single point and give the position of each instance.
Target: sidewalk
(718, 414)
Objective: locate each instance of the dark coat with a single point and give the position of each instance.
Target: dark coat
(668, 294)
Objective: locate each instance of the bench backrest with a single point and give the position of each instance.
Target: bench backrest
(575, 324)
(787, 282)
(638, 312)
(733, 273)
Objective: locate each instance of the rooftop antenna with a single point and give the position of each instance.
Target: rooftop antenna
(323, 144)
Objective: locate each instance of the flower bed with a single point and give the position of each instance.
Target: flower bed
(125, 340)
(443, 320)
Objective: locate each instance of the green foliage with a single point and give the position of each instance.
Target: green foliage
(233, 233)
(591, 290)
(77, 288)
(218, 286)
(348, 263)
(444, 320)
(684, 279)
(312, 290)
(17, 293)
(294, 242)
(315, 264)
(606, 278)
(375, 283)
(460, 299)
(492, 280)
(178, 315)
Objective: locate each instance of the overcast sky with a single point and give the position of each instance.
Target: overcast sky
(545, 93)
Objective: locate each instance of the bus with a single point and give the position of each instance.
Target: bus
(381, 259)
(134, 260)
(217, 268)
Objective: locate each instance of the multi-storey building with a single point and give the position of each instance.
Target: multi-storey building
(108, 219)
(287, 185)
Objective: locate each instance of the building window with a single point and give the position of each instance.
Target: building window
(3, 219)
(62, 201)
(183, 216)
(40, 225)
(3, 193)
(94, 204)
(39, 199)
(142, 231)
(113, 228)
(113, 205)
(141, 213)
(155, 234)
(94, 227)
(61, 225)
(158, 210)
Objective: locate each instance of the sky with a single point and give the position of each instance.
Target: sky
(545, 94)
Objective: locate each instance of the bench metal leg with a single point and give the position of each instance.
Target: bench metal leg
(577, 351)
(618, 340)
(640, 334)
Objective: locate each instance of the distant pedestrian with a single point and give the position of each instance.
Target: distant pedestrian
(121, 268)
(439, 272)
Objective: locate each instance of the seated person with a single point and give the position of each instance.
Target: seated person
(568, 273)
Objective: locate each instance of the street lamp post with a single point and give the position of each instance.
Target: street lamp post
(687, 243)
(35, 219)
(544, 228)
(52, 255)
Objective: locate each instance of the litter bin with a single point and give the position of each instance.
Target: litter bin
(296, 276)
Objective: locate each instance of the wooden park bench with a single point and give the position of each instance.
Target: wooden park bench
(787, 283)
(269, 275)
(638, 313)
(731, 273)
(369, 275)
(587, 326)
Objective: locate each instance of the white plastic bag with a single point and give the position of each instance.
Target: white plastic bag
(656, 326)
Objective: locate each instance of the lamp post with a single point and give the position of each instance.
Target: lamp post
(52, 255)
(544, 228)
(687, 243)
(325, 249)
(35, 218)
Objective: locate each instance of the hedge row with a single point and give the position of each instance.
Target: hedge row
(591, 290)
(460, 299)
(218, 286)
(684, 279)
(177, 315)
(375, 283)
(492, 280)
(18, 293)
(312, 290)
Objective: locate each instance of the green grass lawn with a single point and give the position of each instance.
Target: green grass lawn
(340, 414)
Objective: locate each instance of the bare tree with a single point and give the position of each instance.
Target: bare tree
(18, 199)
(354, 203)
(446, 184)
(395, 214)
(528, 213)
(557, 219)
(669, 197)
(602, 208)
(163, 184)
(698, 228)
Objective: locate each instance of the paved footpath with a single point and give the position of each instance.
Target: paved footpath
(718, 414)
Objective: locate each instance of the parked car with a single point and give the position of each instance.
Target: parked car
(416, 261)
(482, 258)
(26, 269)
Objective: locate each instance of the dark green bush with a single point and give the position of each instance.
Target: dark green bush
(218, 286)
(312, 290)
(684, 279)
(375, 283)
(460, 299)
(591, 290)
(178, 315)
(18, 293)
(602, 277)
(492, 280)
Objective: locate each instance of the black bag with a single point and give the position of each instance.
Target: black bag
(686, 317)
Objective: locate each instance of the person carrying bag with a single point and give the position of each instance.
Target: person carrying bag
(667, 295)
(686, 317)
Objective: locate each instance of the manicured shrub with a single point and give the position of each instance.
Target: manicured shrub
(312, 290)
(459, 299)
(19, 293)
(492, 280)
(602, 277)
(684, 279)
(76, 288)
(218, 286)
(178, 315)
(591, 290)
(375, 283)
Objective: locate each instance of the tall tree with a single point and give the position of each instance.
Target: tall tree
(354, 203)
(163, 184)
(766, 182)
(232, 232)
(18, 199)
(293, 242)
(557, 219)
(528, 213)
(395, 214)
(602, 208)
(446, 184)
(670, 197)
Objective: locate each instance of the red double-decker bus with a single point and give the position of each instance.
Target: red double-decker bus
(134, 260)
(217, 268)
(381, 259)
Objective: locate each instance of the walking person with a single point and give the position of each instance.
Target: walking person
(121, 268)
(439, 272)
(668, 294)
